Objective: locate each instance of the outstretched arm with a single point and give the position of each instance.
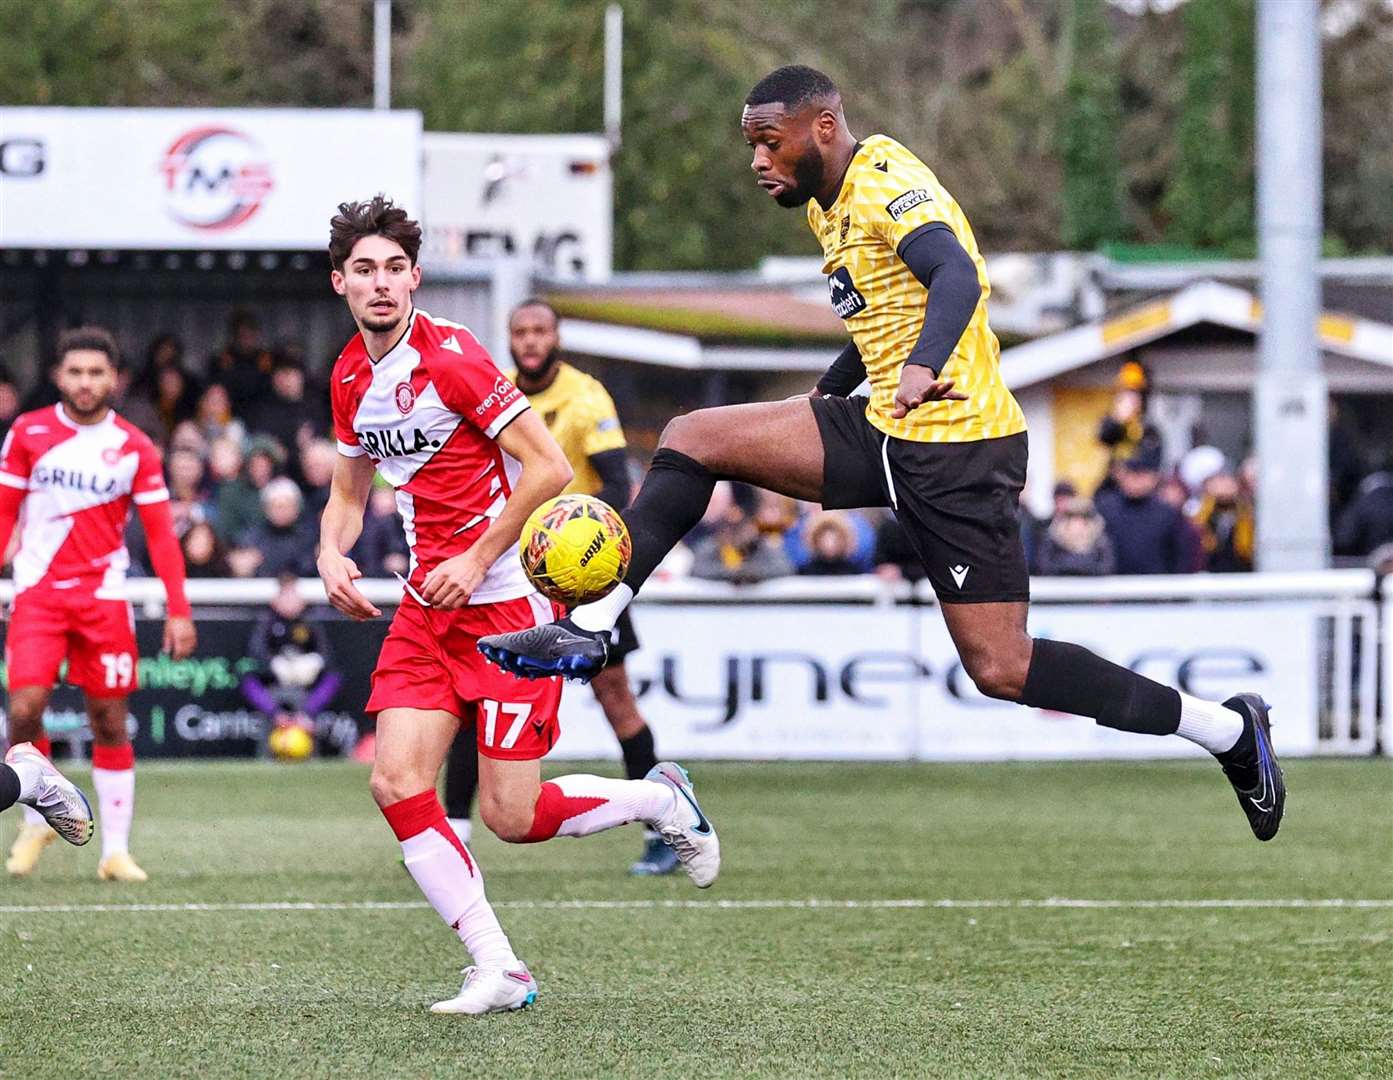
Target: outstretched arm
(339, 530)
(848, 371)
(545, 471)
(167, 559)
(944, 267)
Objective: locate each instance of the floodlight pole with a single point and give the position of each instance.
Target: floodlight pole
(614, 72)
(1290, 400)
(382, 54)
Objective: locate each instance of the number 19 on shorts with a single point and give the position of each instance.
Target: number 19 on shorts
(118, 669)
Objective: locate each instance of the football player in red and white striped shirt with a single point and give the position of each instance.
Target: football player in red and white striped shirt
(76, 469)
(418, 400)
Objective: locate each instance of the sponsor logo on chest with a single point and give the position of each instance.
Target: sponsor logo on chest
(55, 477)
(845, 296)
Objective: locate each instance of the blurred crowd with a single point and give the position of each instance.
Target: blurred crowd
(249, 457)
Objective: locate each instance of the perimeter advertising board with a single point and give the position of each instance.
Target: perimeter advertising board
(244, 179)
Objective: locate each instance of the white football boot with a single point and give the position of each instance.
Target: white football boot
(684, 828)
(57, 798)
(491, 990)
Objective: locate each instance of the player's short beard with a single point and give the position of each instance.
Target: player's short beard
(381, 324)
(809, 171)
(542, 371)
(103, 403)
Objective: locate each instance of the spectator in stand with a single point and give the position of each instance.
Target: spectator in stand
(134, 406)
(237, 487)
(214, 416)
(1149, 536)
(9, 401)
(736, 551)
(204, 556)
(165, 351)
(1125, 430)
(188, 493)
(173, 394)
(284, 542)
(294, 677)
(381, 550)
(317, 459)
(1076, 543)
(285, 413)
(244, 364)
(895, 557)
(832, 540)
(1367, 522)
(1227, 524)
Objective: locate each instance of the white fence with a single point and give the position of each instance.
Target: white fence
(855, 668)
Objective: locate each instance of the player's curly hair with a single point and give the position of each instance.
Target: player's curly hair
(91, 338)
(792, 86)
(377, 216)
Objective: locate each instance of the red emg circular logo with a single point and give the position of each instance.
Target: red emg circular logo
(215, 178)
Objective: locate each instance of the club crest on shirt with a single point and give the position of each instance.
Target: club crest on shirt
(846, 228)
(406, 397)
(845, 296)
(111, 456)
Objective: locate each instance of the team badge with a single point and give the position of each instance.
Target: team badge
(111, 456)
(846, 228)
(406, 397)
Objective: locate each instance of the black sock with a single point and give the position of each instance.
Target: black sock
(1070, 679)
(639, 755)
(674, 495)
(9, 785)
(461, 773)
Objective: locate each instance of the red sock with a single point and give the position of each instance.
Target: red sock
(44, 746)
(420, 812)
(113, 757)
(553, 808)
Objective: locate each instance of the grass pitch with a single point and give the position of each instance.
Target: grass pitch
(995, 989)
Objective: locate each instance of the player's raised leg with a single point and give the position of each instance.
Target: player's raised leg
(774, 444)
(518, 807)
(29, 778)
(1005, 662)
(411, 744)
(113, 779)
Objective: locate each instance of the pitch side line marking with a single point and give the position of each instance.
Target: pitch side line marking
(705, 905)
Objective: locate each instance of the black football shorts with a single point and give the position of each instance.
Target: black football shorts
(958, 501)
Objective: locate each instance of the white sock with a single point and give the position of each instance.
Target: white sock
(464, 828)
(30, 785)
(1209, 724)
(624, 801)
(603, 613)
(453, 883)
(32, 816)
(116, 802)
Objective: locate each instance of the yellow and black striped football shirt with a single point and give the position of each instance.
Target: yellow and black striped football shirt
(886, 195)
(581, 417)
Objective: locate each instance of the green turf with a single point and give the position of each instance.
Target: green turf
(982, 992)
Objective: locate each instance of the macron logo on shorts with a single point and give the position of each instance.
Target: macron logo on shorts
(959, 574)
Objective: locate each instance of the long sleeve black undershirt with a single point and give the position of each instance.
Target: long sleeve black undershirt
(941, 264)
(612, 466)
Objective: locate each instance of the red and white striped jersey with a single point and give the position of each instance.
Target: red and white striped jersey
(80, 481)
(428, 413)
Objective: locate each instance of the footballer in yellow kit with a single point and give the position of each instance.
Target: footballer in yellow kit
(940, 440)
(581, 417)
